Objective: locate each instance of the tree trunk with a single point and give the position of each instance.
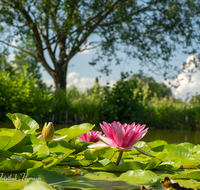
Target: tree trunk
(59, 77)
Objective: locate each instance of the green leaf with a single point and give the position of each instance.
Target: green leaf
(157, 146)
(75, 130)
(16, 165)
(153, 163)
(43, 151)
(175, 152)
(23, 122)
(140, 177)
(46, 176)
(4, 141)
(37, 185)
(93, 154)
(188, 175)
(98, 181)
(17, 138)
(60, 147)
(134, 165)
(12, 184)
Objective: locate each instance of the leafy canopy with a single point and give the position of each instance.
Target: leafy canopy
(148, 30)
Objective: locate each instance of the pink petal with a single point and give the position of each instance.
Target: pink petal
(88, 136)
(114, 126)
(136, 138)
(129, 135)
(106, 129)
(119, 135)
(108, 141)
(126, 148)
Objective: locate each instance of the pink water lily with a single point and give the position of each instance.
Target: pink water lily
(90, 136)
(122, 136)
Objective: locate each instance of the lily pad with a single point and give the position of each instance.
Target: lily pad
(16, 165)
(75, 130)
(23, 122)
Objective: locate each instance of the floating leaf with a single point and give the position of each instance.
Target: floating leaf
(11, 184)
(37, 185)
(16, 165)
(153, 163)
(175, 152)
(134, 165)
(75, 130)
(15, 139)
(93, 154)
(46, 176)
(23, 122)
(140, 177)
(60, 147)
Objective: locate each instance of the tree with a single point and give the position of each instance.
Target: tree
(160, 89)
(22, 58)
(149, 30)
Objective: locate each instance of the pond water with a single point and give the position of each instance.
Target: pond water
(170, 136)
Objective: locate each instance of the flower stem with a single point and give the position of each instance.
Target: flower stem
(119, 157)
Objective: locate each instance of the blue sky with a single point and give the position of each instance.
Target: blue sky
(81, 74)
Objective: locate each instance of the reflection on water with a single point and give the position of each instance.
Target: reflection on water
(173, 136)
(170, 136)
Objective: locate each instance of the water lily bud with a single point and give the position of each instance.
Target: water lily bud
(48, 132)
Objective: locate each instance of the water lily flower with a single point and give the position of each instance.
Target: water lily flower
(90, 136)
(48, 133)
(121, 136)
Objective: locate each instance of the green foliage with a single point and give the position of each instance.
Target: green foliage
(150, 31)
(18, 93)
(125, 101)
(30, 164)
(155, 89)
(22, 58)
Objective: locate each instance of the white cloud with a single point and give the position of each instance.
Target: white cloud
(83, 83)
(49, 82)
(73, 78)
(187, 88)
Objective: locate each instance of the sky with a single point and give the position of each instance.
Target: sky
(83, 75)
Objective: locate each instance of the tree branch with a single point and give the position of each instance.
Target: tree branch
(19, 49)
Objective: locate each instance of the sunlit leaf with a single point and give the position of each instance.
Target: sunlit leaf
(16, 165)
(140, 177)
(175, 152)
(36, 184)
(75, 130)
(153, 163)
(23, 122)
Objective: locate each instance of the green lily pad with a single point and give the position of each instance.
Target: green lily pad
(47, 176)
(23, 122)
(37, 185)
(153, 163)
(75, 130)
(140, 177)
(134, 165)
(175, 152)
(12, 184)
(16, 165)
(93, 154)
(60, 147)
